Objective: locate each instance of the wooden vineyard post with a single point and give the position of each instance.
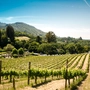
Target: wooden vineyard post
(66, 75)
(14, 84)
(89, 66)
(29, 66)
(0, 70)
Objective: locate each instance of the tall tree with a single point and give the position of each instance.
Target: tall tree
(10, 33)
(0, 37)
(38, 39)
(51, 37)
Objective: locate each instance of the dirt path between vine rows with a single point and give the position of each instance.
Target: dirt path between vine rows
(75, 61)
(85, 84)
(53, 85)
(85, 65)
(80, 62)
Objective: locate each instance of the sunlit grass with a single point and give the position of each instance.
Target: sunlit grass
(22, 38)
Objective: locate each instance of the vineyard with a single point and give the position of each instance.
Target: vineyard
(37, 70)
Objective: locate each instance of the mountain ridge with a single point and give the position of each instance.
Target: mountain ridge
(23, 27)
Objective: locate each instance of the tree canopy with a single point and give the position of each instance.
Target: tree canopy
(38, 44)
(10, 33)
(0, 37)
(51, 37)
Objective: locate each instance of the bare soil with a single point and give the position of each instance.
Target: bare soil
(53, 85)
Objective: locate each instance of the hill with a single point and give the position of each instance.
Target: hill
(23, 27)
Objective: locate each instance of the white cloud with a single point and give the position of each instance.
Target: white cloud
(87, 3)
(9, 18)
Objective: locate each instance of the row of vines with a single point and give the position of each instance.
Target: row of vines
(43, 74)
(46, 68)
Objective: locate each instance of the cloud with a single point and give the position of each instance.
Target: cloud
(87, 3)
(9, 18)
(16, 17)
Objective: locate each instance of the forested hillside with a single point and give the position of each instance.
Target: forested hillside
(23, 27)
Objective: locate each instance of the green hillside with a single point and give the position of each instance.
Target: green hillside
(20, 26)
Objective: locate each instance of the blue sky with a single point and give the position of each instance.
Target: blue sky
(63, 17)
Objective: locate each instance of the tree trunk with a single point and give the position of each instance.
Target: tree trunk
(14, 84)
(69, 83)
(10, 78)
(36, 80)
(65, 84)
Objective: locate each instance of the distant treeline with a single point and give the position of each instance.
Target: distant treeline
(48, 44)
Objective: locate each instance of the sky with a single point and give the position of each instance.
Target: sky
(66, 18)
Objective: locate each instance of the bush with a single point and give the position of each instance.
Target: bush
(14, 52)
(9, 47)
(20, 51)
(1, 49)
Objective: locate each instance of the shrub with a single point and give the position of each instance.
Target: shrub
(9, 47)
(14, 52)
(20, 51)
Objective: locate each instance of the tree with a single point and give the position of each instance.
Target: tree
(26, 45)
(20, 51)
(18, 44)
(4, 40)
(80, 48)
(9, 47)
(15, 53)
(86, 48)
(51, 49)
(61, 48)
(10, 33)
(51, 37)
(38, 39)
(80, 38)
(48, 48)
(0, 37)
(33, 47)
(71, 48)
(41, 48)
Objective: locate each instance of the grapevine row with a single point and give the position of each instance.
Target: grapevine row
(42, 73)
